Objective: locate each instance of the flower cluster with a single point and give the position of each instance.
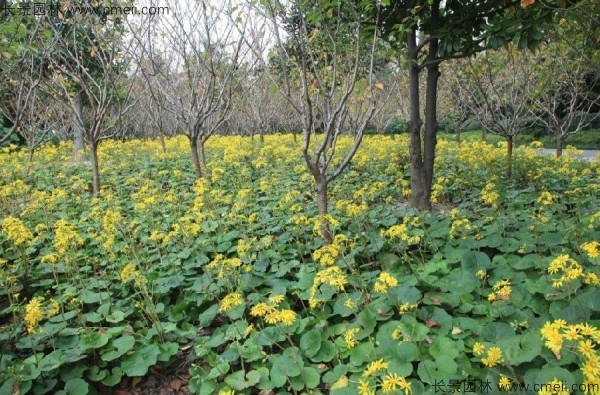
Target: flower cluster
(230, 301)
(389, 382)
(405, 231)
(326, 255)
(582, 338)
(502, 290)
(384, 282)
(66, 237)
(493, 355)
(17, 232)
(490, 195)
(224, 267)
(332, 276)
(271, 313)
(568, 268)
(36, 312)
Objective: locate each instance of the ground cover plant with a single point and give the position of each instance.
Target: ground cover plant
(225, 281)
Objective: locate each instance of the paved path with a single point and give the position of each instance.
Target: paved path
(587, 154)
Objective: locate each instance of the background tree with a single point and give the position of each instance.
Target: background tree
(567, 97)
(322, 48)
(93, 58)
(198, 72)
(427, 32)
(496, 88)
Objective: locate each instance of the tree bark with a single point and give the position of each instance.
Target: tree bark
(78, 142)
(509, 153)
(95, 169)
(560, 141)
(195, 157)
(321, 189)
(202, 156)
(414, 125)
(431, 126)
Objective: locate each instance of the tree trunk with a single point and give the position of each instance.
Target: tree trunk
(414, 125)
(509, 152)
(457, 134)
(78, 142)
(483, 134)
(195, 157)
(321, 189)
(161, 138)
(560, 140)
(95, 168)
(431, 125)
(31, 152)
(202, 156)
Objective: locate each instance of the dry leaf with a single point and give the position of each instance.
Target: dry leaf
(379, 85)
(431, 324)
(435, 299)
(526, 3)
(456, 331)
(341, 383)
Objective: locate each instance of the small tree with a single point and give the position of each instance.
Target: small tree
(93, 59)
(495, 88)
(566, 100)
(326, 54)
(198, 71)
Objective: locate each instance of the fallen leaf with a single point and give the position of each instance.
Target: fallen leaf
(379, 85)
(341, 383)
(136, 381)
(435, 299)
(176, 384)
(431, 324)
(456, 330)
(526, 3)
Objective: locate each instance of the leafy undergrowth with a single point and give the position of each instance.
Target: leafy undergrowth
(225, 281)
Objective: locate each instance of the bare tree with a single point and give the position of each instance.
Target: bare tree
(495, 87)
(565, 98)
(326, 53)
(196, 71)
(94, 57)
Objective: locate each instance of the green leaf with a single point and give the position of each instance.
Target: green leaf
(115, 316)
(51, 361)
(93, 340)
(119, 347)
(138, 363)
(76, 387)
(238, 382)
(310, 342)
(443, 369)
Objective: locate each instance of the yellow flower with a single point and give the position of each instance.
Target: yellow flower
(375, 367)
(392, 381)
(326, 255)
(66, 237)
(260, 310)
(586, 348)
(287, 317)
(33, 314)
(591, 249)
(554, 387)
(493, 358)
(17, 232)
(478, 348)
(276, 299)
(364, 389)
(128, 272)
(350, 337)
(230, 301)
(504, 383)
(249, 330)
(384, 282)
